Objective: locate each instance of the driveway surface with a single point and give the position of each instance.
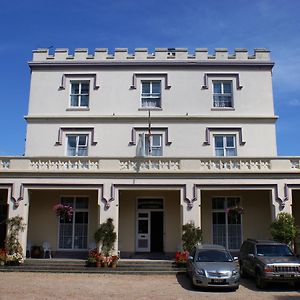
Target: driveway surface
(101, 286)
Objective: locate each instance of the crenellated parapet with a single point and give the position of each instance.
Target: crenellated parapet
(142, 54)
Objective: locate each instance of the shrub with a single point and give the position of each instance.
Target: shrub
(106, 236)
(284, 229)
(191, 236)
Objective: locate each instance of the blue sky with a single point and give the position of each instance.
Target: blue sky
(31, 24)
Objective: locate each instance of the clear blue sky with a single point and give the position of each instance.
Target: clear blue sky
(31, 24)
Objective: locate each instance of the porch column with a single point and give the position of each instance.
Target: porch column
(18, 204)
(108, 201)
(281, 200)
(191, 206)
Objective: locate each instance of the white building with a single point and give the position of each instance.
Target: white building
(153, 141)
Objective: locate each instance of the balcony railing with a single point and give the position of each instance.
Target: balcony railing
(150, 165)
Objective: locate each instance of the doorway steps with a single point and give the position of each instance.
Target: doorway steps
(125, 266)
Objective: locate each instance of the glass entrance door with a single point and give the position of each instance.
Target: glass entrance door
(227, 222)
(143, 232)
(73, 233)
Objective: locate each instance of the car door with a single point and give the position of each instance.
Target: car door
(190, 262)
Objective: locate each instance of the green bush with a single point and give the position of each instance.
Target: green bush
(284, 229)
(191, 236)
(106, 236)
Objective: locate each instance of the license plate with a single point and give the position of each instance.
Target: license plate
(218, 281)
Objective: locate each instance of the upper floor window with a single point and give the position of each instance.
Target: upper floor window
(225, 145)
(149, 145)
(77, 145)
(80, 92)
(222, 96)
(151, 94)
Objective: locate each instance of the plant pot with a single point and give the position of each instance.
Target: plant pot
(98, 264)
(13, 263)
(36, 252)
(114, 264)
(104, 264)
(91, 264)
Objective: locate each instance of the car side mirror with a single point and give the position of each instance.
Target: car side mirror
(190, 258)
(250, 255)
(235, 258)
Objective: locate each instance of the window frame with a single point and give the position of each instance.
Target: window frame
(151, 95)
(225, 147)
(222, 94)
(148, 148)
(78, 147)
(79, 95)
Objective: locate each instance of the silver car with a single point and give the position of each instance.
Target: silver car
(213, 266)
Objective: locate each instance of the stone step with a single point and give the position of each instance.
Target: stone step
(125, 266)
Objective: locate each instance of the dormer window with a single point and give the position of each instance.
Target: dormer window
(80, 92)
(151, 94)
(222, 96)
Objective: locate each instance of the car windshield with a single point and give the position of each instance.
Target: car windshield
(274, 250)
(213, 256)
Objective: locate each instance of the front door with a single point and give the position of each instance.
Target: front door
(3, 218)
(150, 225)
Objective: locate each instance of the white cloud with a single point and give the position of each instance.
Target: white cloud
(294, 102)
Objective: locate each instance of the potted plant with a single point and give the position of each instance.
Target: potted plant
(94, 259)
(64, 212)
(284, 229)
(114, 261)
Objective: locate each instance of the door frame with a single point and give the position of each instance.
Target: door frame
(148, 211)
(226, 218)
(73, 224)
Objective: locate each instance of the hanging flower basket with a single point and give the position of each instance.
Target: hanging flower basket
(236, 210)
(64, 212)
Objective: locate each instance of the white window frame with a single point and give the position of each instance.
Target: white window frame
(225, 211)
(225, 147)
(79, 94)
(152, 96)
(143, 150)
(75, 210)
(77, 146)
(221, 103)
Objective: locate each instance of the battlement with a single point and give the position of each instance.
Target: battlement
(142, 54)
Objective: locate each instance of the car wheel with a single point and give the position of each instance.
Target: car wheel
(234, 288)
(259, 281)
(243, 272)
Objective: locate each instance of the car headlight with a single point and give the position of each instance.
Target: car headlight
(200, 272)
(235, 272)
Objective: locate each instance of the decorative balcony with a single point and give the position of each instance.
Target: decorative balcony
(149, 165)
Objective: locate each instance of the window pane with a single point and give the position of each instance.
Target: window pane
(217, 87)
(145, 87)
(227, 88)
(218, 203)
(219, 152)
(82, 203)
(67, 201)
(156, 87)
(156, 152)
(230, 141)
(85, 88)
(150, 102)
(82, 151)
(72, 141)
(231, 152)
(75, 88)
(84, 101)
(82, 140)
(219, 141)
(156, 140)
(74, 100)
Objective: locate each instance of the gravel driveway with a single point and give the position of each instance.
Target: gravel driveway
(101, 286)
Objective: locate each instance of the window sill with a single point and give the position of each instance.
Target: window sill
(149, 108)
(222, 108)
(78, 109)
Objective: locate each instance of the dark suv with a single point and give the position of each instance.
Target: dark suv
(268, 261)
